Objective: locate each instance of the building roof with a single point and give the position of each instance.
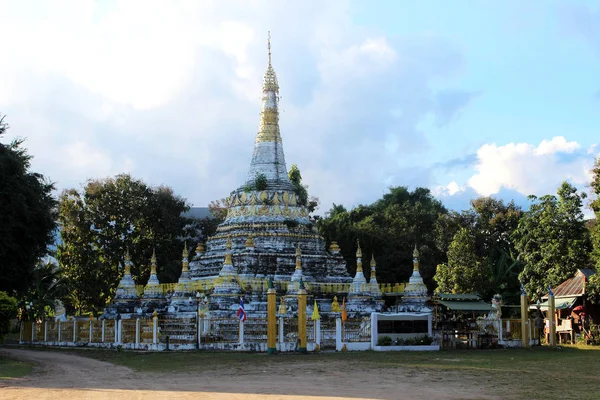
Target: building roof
(466, 305)
(458, 296)
(574, 286)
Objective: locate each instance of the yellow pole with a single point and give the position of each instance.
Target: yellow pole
(551, 322)
(271, 321)
(301, 319)
(524, 318)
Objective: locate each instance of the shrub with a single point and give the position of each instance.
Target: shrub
(8, 311)
(260, 182)
(384, 341)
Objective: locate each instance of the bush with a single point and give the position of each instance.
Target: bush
(8, 311)
(260, 182)
(384, 341)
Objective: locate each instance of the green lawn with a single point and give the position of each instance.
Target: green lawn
(10, 369)
(537, 373)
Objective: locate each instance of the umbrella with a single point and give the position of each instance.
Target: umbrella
(578, 309)
(315, 314)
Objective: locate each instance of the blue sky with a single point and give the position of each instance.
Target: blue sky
(467, 98)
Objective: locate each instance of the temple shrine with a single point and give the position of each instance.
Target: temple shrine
(267, 238)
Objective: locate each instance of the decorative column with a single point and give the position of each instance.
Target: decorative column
(271, 319)
(154, 328)
(45, 330)
(316, 317)
(103, 331)
(59, 339)
(301, 318)
(74, 330)
(338, 334)
(33, 335)
(119, 330)
(91, 328)
(137, 331)
(281, 333)
(524, 318)
(551, 319)
(241, 332)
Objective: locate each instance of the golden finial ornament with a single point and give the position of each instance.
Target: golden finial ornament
(127, 256)
(373, 265)
(200, 248)
(269, 45)
(228, 246)
(298, 257)
(153, 262)
(334, 248)
(282, 308)
(185, 261)
(127, 263)
(415, 259)
(359, 267)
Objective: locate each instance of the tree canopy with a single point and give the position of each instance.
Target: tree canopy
(107, 219)
(552, 240)
(27, 216)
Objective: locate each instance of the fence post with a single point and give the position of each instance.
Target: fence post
(318, 332)
(154, 328)
(338, 334)
(302, 319)
(280, 333)
(45, 331)
(33, 324)
(103, 331)
(59, 338)
(199, 324)
(137, 331)
(74, 330)
(241, 332)
(524, 318)
(271, 320)
(91, 328)
(118, 330)
(21, 331)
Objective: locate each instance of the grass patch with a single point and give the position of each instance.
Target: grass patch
(11, 369)
(538, 373)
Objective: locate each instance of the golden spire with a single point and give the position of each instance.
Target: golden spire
(127, 263)
(415, 259)
(153, 262)
(200, 248)
(185, 261)
(269, 45)
(298, 257)
(228, 251)
(359, 267)
(373, 264)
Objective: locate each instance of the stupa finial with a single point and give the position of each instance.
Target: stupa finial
(373, 263)
(416, 259)
(153, 262)
(298, 257)
(185, 253)
(269, 45)
(127, 255)
(185, 260)
(228, 246)
(358, 249)
(359, 267)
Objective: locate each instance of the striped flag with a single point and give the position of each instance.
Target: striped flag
(241, 313)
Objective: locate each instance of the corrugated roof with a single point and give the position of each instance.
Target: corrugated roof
(466, 305)
(559, 303)
(574, 286)
(461, 296)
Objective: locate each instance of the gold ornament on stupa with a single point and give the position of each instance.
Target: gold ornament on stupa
(359, 267)
(335, 306)
(185, 262)
(127, 263)
(298, 257)
(228, 246)
(153, 262)
(249, 242)
(373, 265)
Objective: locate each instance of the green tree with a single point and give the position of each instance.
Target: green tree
(27, 216)
(108, 218)
(389, 228)
(595, 206)
(47, 286)
(8, 311)
(302, 190)
(464, 272)
(552, 240)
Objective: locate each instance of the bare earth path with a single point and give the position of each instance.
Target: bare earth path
(66, 376)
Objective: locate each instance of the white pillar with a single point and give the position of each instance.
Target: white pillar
(281, 333)
(103, 330)
(59, 339)
(430, 325)
(338, 334)
(500, 333)
(118, 328)
(155, 329)
(137, 331)
(241, 332)
(318, 332)
(45, 331)
(21, 332)
(74, 330)
(199, 327)
(91, 331)
(33, 324)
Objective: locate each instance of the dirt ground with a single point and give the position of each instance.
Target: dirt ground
(66, 376)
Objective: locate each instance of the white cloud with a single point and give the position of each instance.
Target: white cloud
(527, 168)
(170, 91)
